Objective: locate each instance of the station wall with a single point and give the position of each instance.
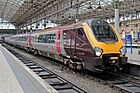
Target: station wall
(130, 27)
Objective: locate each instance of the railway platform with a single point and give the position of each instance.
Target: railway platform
(134, 57)
(15, 77)
(134, 61)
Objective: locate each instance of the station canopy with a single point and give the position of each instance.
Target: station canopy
(11, 10)
(8, 8)
(22, 13)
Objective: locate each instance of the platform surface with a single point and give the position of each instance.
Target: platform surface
(134, 57)
(16, 78)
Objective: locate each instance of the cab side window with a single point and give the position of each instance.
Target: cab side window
(68, 34)
(81, 34)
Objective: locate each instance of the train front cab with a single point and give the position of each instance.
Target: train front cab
(106, 45)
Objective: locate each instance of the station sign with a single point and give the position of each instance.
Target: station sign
(139, 36)
(139, 44)
(128, 40)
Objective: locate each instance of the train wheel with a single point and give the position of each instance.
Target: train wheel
(79, 67)
(115, 70)
(35, 52)
(70, 63)
(66, 61)
(28, 50)
(75, 65)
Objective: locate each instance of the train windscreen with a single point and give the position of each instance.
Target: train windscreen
(103, 32)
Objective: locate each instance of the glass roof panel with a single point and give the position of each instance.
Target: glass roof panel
(9, 7)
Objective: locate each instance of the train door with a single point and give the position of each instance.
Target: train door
(69, 41)
(16, 40)
(27, 41)
(30, 39)
(53, 43)
(58, 47)
(83, 48)
(80, 42)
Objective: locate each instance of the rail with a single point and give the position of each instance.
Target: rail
(57, 82)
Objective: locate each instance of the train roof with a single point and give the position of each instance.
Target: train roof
(64, 27)
(70, 26)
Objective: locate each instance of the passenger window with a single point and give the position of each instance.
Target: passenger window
(34, 38)
(24, 38)
(48, 37)
(52, 38)
(41, 38)
(19, 38)
(81, 34)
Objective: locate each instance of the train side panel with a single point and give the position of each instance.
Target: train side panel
(69, 42)
(85, 52)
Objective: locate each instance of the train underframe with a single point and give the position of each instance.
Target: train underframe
(92, 64)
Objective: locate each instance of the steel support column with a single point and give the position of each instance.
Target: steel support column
(117, 19)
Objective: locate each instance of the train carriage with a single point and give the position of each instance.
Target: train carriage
(92, 44)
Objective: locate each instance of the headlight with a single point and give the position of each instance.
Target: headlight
(122, 50)
(98, 51)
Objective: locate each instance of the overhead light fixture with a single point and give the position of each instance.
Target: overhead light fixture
(90, 6)
(63, 17)
(69, 17)
(99, 8)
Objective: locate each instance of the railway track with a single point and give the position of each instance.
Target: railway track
(56, 81)
(126, 84)
(122, 82)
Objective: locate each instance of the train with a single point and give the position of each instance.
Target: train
(92, 44)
